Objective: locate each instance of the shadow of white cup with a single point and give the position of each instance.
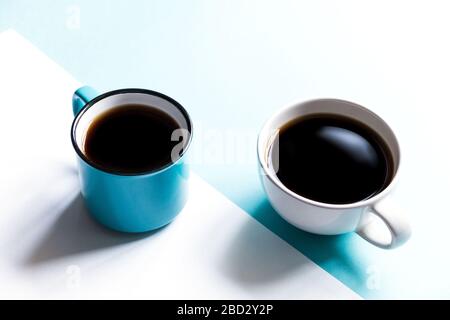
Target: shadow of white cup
(377, 219)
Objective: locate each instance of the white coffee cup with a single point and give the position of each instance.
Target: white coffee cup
(326, 218)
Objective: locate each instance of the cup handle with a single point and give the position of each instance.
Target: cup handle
(81, 97)
(395, 221)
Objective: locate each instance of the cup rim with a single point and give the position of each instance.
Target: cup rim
(282, 187)
(123, 91)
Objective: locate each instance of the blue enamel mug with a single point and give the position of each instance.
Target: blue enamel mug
(131, 202)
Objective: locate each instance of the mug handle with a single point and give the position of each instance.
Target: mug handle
(393, 218)
(81, 97)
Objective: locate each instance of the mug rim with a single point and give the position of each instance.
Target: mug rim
(282, 187)
(88, 105)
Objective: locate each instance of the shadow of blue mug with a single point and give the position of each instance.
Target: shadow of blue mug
(131, 202)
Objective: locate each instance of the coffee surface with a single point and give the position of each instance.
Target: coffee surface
(332, 159)
(131, 139)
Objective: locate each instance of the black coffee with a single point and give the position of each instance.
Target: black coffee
(332, 159)
(131, 139)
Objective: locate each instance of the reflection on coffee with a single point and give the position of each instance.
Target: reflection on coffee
(332, 159)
